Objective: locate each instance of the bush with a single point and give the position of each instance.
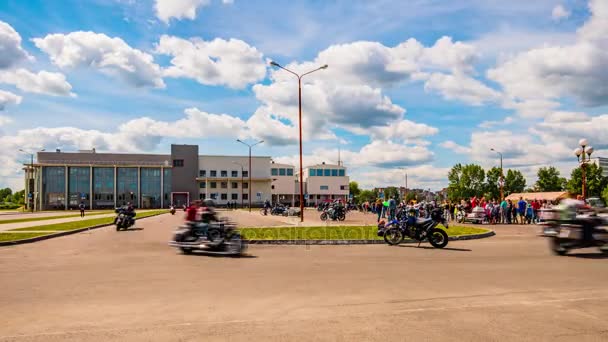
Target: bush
(8, 205)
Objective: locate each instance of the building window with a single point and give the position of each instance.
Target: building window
(274, 172)
(224, 185)
(341, 173)
(327, 172)
(290, 172)
(213, 173)
(324, 187)
(342, 187)
(235, 173)
(281, 172)
(245, 196)
(103, 187)
(245, 185)
(245, 173)
(178, 163)
(312, 172)
(213, 185)
(224, 197)
(214, 196)
(202, 173)
(223, 173)
(334, 173)
(318, 196)
(235, 185)
(203, 185)
(201, 196)
(235, 197)
(319, 172)
(272, 187)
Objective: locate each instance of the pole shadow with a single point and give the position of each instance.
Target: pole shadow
(445, 249)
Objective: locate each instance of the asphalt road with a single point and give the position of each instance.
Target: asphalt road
(130, 286)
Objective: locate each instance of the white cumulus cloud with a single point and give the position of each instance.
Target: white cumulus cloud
(7, 98)
(559, 12)
(232, 62)
(43, 82)
(110, 55)
(11, 51)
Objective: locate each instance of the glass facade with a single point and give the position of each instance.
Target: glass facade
(334, 173)
(150, 188)
(126, 186)
(53, 187)
(290, 172)
(103, 187)
(322, 172)
(167, 187)
(341, 173)
(79, 186)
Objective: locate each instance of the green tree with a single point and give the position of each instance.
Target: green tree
(366, 195)
(5, 192)
(492, 190)
(411, 196)
(354, 190)
(605, 195)
(514, 182)
(465, 181)
(549, 180)
(595, 181)
(19, 197)
(390, 192)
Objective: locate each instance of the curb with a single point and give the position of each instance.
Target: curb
(67, 232)
(359, 242)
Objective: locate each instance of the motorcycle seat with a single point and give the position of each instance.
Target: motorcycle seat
(423, 221)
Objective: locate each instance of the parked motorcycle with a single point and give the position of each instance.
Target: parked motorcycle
(279, 210)
(419, 229)
(172, 210)
(334, 213)
(124, 219)
(220, 237)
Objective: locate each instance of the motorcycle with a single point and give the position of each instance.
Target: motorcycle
(219, 237)
(334, 213)
(460, 214)
(569, 234)
(172, 210)
(279, 210)
(124, 219)
(419, 229)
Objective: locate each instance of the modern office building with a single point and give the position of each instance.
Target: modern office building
(603, 163)
(285, 187)
(63, 180)
(323, 182)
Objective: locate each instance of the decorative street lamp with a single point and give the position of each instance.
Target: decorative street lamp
(583, 154)
(300, 124)
(249, 185)
(502, 178)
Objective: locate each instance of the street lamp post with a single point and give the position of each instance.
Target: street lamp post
(405, 177)
(300, 124)
(31, 176)
(250, 185)
(242, 169)
(583, 154)
(502, 179)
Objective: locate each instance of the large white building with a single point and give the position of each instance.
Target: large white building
(603, 163)
(325, 182)
(285, 189)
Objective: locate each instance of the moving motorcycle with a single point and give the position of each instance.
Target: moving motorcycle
(218, 237)
(172, 210)
(124, 219)
(419, 229)
(567, 233)
(334, 213)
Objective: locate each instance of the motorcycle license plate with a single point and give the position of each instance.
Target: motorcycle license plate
(564, 233)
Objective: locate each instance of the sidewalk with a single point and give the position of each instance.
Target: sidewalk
(9, 226)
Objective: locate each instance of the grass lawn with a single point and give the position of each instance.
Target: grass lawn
(86, 223)
(33, 219)
(4, 236)
(334, 233)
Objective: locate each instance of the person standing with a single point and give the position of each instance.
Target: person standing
(379, 208)
(81, 207)
(521, 210)
(392, 208)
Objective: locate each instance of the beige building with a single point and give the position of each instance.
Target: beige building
(325, 182)
(226, 179)
(285, 189)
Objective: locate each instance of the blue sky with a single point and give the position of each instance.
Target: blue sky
(421, 85)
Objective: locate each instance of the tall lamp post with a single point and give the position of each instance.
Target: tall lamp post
(250, 146)
(502, 178)
(31, 176)
(242, 169)
(300, 124)
(583, 154)
(405, 177)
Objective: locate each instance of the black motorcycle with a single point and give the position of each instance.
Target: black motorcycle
(124, 219)
(570, 234)
(419, 229)
(334, 213)
(218, 237)
(279, 210)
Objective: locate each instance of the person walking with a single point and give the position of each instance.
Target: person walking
(81, 207)
(379, 208)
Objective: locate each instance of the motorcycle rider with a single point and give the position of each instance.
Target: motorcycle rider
(570, 209)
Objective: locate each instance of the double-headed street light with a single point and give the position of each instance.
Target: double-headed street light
(502, 179)
(300, 124)
(250, 185)
(583, 154)
(31, 177)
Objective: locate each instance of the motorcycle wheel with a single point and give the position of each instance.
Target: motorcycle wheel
(186, 250)
(557, 247)
(117, 228)
(324, 217)
(235, 245)
(393, 236)
(438, 238)
(263, 212)
(342, 217)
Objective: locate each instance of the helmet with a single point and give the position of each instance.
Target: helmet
(209, 203)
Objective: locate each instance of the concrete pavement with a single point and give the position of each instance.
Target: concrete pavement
(130, 286)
